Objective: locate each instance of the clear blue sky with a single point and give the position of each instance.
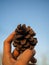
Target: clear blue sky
(31, 12)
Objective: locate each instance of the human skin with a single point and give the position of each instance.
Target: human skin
(7, 55)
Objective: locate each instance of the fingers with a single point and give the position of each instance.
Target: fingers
(10, 37)
(26, 56)
(7, 44)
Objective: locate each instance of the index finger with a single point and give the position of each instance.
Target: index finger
(7, 44)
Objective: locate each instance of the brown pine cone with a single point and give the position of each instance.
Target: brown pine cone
(24, 38)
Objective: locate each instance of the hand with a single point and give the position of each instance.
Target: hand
(7, 55)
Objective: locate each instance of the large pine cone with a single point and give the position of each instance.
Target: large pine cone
(24, 38)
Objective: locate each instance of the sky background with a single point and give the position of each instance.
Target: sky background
(34, 13)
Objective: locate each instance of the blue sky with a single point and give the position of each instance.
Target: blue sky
(31, 12)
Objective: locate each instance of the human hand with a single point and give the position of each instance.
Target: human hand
(7, 55)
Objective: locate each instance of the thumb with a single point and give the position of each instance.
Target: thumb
(26, 56)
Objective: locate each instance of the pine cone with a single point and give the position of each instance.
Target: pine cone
(24, 38)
